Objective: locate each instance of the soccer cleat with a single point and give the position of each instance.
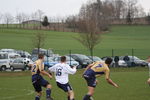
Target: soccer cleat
(50, 98)
(91, 98)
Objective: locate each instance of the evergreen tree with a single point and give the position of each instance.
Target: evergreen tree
(45, 21)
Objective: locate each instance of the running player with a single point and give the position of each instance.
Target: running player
(38, 81)
(62, 70)
(94, 70)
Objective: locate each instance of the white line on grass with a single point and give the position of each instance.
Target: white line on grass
(16, 96)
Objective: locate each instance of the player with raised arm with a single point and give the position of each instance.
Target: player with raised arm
(38, 81)
(62, 70)
(94, 70)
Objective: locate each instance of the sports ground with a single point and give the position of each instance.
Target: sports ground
(132, 82)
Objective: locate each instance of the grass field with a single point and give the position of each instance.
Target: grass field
(132, 82)
(121, 38)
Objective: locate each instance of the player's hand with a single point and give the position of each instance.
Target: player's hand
(50, 76)
(116, 85)
(74, 67)
(97, 81)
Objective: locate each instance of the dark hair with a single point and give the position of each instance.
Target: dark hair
(108, 61)
(63, 58)
(40, 56)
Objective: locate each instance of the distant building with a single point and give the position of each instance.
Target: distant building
(31, 22)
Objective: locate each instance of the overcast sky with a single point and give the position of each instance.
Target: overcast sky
(50, 7)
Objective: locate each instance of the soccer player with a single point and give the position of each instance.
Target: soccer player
(94, 70)
(38, 81)
(62, 70)
(148, 60)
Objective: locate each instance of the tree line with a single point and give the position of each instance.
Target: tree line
(105, 12)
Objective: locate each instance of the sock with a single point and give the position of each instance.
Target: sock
(86, 97)
(48, 93)
(68, 98)
(72, 99)
(37, 98)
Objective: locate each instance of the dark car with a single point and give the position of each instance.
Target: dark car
(18, 64)
(95, 58)
(82, 59)
(45, 52)
(135, 61)
(121, 63)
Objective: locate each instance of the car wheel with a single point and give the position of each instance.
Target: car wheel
(26, 68)
(3, 68)
(79, 67)
(12, 68)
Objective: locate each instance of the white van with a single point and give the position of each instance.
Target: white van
(6, 59)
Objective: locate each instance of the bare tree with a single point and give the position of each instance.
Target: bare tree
(19, 19)
(131, 9)
(40, 14)
(148, 18)
(71, 22)
(34, 18)
(1, 17)
(89, 26)
(39, 40)
(8, 19)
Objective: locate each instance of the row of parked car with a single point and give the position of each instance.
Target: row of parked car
(17, 59)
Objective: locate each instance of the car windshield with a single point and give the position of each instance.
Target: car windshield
(43, 51)
(67, 58)
(3, 56)
(83, 57)
(136, 58)
(97, 59)
(48, 59)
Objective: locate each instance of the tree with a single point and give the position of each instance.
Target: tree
(129, 18)
(71, 22)
(131, 9)
(148, 18)
(19, 19)
(1, 16)
(45, 22)
(89, 26)
(8, 19)
(40, 14)
(39, 41)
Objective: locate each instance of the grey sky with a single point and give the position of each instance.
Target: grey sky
(50, 7)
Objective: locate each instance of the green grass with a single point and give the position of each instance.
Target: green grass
(132, 86)
(120, 38)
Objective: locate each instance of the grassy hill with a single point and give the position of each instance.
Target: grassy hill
(120, 38)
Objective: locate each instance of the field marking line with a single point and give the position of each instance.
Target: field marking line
(12, 97)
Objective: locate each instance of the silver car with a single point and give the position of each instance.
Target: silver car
(18, 64)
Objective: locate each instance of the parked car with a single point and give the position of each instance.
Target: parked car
(69, 60)
(48, 62)
(6, 59)
(48, 53)
(23, 54)
(95, 58)
(82, 59)
(121, 63)
(135, 61)
(8, 50)
(18, 64)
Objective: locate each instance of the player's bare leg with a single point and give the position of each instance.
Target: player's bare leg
(89, 94)
(39, 94)
(48, 92)
(71, 95)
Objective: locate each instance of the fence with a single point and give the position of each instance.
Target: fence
(141, 53)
